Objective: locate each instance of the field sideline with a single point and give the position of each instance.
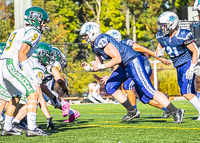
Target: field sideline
(100, 123)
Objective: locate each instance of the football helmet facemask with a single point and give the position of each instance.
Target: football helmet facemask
(58, 56)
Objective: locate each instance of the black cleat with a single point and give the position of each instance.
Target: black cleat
(23, 123)
(18, 128)
(130, 115)
(50, 124)
(166, 114)
(178, 116)
(36, 132)
(10, 133)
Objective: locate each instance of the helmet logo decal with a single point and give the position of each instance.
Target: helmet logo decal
(88, 28)
(172, 18)
(114, 34)
(34, 14)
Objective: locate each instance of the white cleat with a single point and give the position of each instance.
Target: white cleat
(198, 119)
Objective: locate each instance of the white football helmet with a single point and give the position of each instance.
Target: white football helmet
(115, 34)
(89, 31)
(167, 21)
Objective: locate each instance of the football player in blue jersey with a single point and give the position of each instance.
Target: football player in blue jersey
(130, 62)
(129, 83)
(179, 45)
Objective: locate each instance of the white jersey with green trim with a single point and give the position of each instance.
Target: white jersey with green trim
(49, 67)
(28, 34)
(37, 67)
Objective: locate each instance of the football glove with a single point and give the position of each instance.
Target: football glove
(65, 91)
(50, 124)
(190, 72)
(160, 52)
(197, 70)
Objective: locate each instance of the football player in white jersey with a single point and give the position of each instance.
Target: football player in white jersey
(94, 93)
(13, 80)
(41, 56)
(59, 63)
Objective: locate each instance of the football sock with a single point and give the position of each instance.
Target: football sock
(62, 103)
(135, 106)
(196, 103)
(31, 119)
(54, 100)
(16, 120)
(128, 105)
(71, 111)
(8, 123)
(171, 108)
(163, 108)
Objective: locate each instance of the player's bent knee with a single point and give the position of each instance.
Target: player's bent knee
(32, 106)
(109, 89)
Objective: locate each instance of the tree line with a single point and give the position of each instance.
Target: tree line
(135, 19)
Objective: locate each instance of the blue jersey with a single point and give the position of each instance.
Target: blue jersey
(126, 52)
(130, 43)
(176, 46)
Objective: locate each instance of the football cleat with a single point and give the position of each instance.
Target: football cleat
(178, 116)
(23, 122)
(50, 124)
(10, 133)
(36, 132)
(72, 117)
(18, 128)
(137, 114)
(65, 109)
(130, 115)
(166, 114)
(198, 119)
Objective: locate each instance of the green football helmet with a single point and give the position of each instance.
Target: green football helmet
(35, 16)
(43, 52)
(2, 47)
(57, 55)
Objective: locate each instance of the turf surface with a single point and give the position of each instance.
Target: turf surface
(100, 123)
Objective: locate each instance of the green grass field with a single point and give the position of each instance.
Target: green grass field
(100, 123)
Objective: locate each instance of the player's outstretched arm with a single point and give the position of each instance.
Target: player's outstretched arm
(139, 48)
(59, 79)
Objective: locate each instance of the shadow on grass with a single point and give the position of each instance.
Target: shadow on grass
(61, 126)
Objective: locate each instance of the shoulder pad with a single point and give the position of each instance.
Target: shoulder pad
(189, 38)
(101, 41)
(159, 35)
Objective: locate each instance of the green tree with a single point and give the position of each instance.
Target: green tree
(6, 20)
